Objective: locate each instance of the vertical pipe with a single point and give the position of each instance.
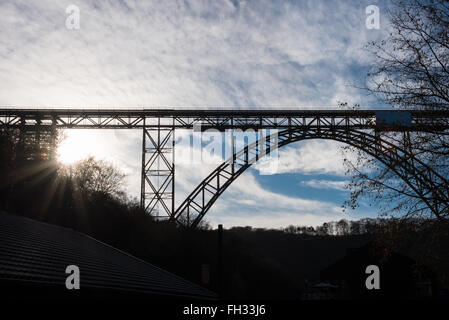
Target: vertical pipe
(220, 282)
(159, 150)
(232, 150)
(257, 145)
(142, 182)
(173, 171)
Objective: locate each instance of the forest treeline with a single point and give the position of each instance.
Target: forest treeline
(342, 227)
(88, 197)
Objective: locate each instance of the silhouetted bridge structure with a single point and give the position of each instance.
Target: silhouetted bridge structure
(359, 128)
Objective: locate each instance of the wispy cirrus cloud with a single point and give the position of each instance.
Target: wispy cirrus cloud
(196, 54)
(325, 184)
(313, 157)
(240, 54)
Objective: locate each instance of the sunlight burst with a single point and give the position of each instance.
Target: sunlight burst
(77, 145)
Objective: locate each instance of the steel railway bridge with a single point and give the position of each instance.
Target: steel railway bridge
(359, 128)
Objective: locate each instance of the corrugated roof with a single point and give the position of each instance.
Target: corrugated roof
(36, 252)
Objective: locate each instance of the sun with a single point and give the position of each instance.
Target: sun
(80, 144)
(76, 145)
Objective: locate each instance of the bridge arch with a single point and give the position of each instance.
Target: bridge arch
(423, 180)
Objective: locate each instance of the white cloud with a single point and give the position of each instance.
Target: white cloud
(312, 157)
(239, 54)
(248, 188)
(325, 184)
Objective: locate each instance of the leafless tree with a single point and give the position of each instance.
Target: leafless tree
(411, 72)
(97, 176)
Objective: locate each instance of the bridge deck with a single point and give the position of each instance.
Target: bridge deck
(220, 119)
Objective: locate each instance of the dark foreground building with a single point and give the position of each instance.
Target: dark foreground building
(34, 257)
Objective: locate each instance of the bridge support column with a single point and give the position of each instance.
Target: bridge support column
(158, 168)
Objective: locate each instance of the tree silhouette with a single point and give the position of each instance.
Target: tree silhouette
(411, 72)
(97, 176)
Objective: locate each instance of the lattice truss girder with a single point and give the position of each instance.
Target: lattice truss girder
(117, 122)
(220, 119)
(425, 182)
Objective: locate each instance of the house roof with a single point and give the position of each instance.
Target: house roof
(37, 254)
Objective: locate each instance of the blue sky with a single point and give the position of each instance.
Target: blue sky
(200, 54)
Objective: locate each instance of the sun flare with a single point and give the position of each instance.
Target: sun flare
(76, 145)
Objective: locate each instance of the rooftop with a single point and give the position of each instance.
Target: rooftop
(36, 254)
